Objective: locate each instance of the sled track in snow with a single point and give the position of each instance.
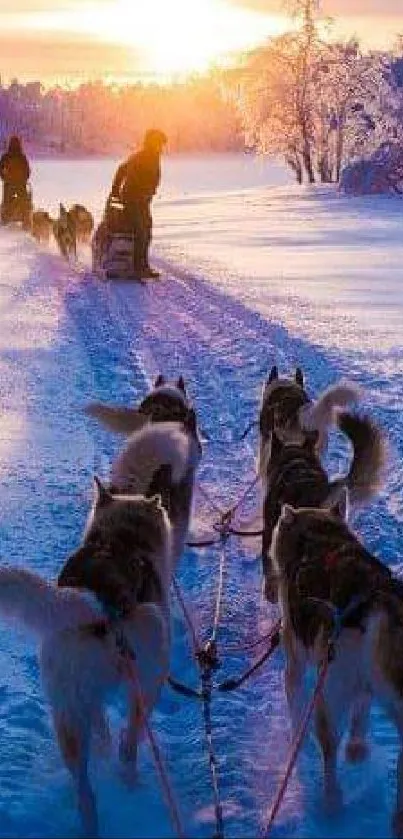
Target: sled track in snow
(184, 324)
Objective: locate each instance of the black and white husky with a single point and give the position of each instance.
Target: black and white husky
(116, 586)
(287, 409)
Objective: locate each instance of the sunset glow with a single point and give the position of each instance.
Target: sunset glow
(72, 40)
(171, 36)
(182, 37)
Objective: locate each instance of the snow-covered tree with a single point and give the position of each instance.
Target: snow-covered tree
(315, 102)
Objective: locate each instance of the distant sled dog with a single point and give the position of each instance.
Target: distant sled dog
(64, 231)
(83, 223)
(112, 600)
(42, 226)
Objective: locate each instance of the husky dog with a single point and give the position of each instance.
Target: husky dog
(122, 569)
(321, 568)
(83, 223)
(64, 231)
(286, 407)
(42, 226)
(296, 476)
(116, 586)
(165, 403)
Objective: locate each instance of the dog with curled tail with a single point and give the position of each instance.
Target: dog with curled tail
(286, 408)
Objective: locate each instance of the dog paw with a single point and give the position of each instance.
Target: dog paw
(397, 825)
(357, 750)
(102, 738)
(127, 748)
(333, 799)
(127, 760)
(128, 775)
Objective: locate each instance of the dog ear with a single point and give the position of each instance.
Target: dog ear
(190, 422)
(273, 374)
(121, 420)
(288, 514)
(299, 377)
(180, 384)
(337, 503)
(102, 495)
(160, 380)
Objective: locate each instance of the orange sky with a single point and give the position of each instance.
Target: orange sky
(76, 39)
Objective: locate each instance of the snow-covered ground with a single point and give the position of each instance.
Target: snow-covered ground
(256, 272)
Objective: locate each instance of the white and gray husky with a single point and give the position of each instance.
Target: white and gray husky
(116, 586)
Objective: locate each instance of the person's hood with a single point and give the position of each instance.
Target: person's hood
(14, 146)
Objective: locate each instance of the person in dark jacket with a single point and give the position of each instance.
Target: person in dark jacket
(135, 184)
(14, 170)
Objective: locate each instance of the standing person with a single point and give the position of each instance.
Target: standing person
(14, 170)
(135, 184)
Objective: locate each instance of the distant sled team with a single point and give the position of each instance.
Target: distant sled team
(72, 227)
(108, 614)
(121, 242)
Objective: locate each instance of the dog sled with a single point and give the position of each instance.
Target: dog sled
(114, 245)
(17, 207)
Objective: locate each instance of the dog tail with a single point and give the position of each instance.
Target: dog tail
(42, 607)
(370, 450)
(319, 415)
(121, 420)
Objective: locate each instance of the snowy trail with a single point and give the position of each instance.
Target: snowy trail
(66, 339)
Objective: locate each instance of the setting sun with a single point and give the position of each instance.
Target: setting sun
(172, 37)
(179, 37)
(72, 41)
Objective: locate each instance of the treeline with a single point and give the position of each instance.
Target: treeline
(98, 118)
